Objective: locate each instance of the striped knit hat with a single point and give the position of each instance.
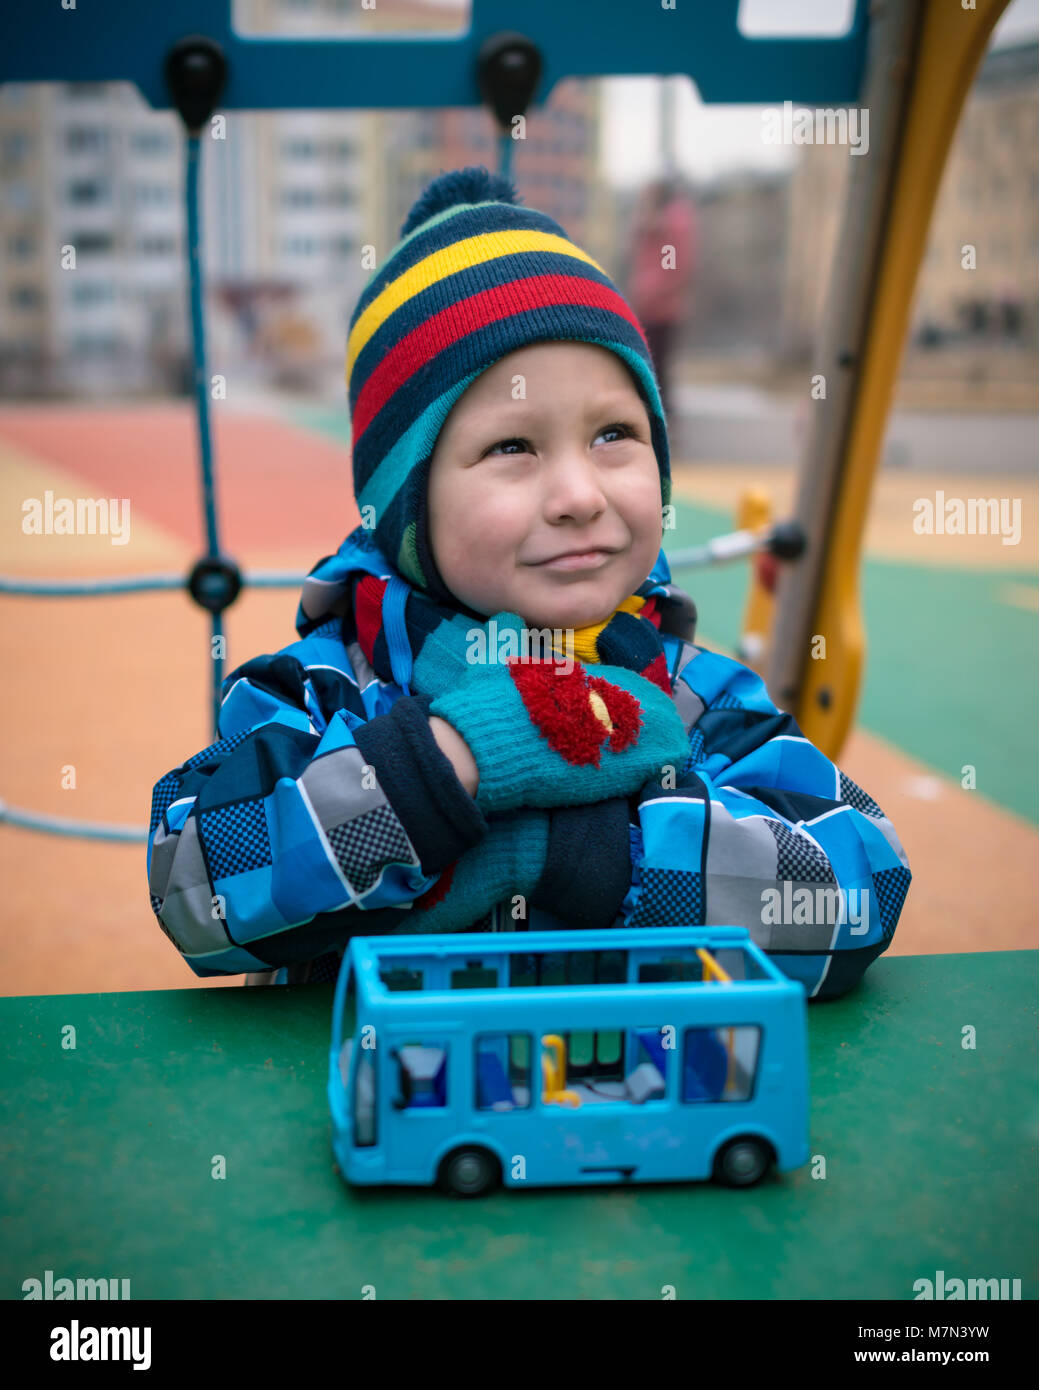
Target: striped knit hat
(474, 278)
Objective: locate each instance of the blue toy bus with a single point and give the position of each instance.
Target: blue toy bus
(539, 1058)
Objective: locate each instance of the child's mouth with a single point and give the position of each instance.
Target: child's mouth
(590, 559)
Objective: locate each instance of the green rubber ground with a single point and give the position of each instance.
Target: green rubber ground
(951, 669)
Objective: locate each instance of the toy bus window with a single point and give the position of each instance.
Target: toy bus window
(523, 970)
(501, 1068)
(400, 977)
(580, 967)
(552, 968)
(364, 1099)
(348, 1019)
(612, 968)
(569, 968)
(596, 1054)
(672, 970)
(422, 1076)
(474, 975)
(588, 1067)
(739, 964)
(520, 1049)
(719, 1063)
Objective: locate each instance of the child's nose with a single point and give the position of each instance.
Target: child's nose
(573, 478)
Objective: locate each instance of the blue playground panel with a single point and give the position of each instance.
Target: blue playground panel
(125, 40)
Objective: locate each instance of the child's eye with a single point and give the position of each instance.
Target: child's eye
(525, 443)
(626, 430)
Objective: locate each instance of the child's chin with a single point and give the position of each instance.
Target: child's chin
(566, 618)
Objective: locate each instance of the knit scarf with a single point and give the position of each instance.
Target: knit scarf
(629, 637)
(486, 874)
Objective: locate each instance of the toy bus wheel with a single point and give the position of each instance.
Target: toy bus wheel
(469, 1173)
(742, 1162)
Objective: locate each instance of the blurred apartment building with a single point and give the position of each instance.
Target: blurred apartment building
(989, 199)
(289, 202)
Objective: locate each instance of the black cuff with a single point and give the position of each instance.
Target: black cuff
(439, 816)
(588, 867)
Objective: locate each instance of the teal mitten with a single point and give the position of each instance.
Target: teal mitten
(448, 653)
(545, 736)
(510, 859)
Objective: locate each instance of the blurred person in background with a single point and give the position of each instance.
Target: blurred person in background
(660, 277)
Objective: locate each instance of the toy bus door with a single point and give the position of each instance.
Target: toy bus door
(422, 1072)
(597, 1129)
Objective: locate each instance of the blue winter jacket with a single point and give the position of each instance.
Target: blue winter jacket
(264, 854)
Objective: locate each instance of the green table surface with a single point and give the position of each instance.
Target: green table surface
(930, 1155)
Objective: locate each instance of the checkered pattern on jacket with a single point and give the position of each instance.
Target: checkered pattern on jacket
(263, 852)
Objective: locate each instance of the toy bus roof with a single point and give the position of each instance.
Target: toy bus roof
(374, 955)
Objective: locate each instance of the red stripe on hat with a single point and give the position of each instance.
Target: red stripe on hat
(438, 332)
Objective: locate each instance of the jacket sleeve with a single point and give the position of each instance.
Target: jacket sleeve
(761, 830)
(269, 846)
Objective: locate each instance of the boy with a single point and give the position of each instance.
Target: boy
(397, 769)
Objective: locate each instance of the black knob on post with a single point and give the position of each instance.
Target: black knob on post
(508, 69)
(196, 71)
(787, 541)
(215, 583)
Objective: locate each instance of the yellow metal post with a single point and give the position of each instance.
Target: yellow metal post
(953, 40)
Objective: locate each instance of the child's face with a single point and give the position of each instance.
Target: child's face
(514, 483)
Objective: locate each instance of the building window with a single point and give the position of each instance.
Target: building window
(16, 144)
(151, 141)
(88, 191)
(18, 197)
(92, 242)
(156, 246)
(90, 294)
(25, 297)
(105, 343)
(86, 139)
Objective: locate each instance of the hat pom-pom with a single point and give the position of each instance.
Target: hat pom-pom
(474, 184)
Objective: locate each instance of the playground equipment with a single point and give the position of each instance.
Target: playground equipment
(911, 64)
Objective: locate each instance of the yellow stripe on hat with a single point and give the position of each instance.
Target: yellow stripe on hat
(448, 260)
(585, 638)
